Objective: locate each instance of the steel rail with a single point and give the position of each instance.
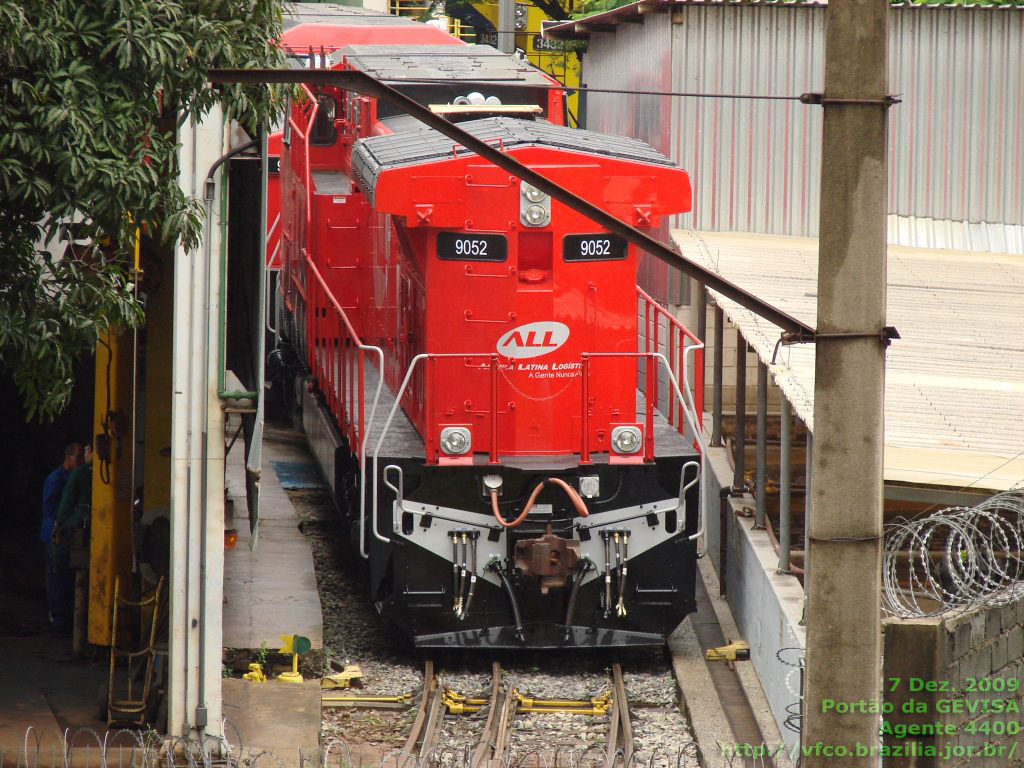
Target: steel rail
(485, 747)
(502, 739)
(795, 330)
(435, 716)
(620, 729)
(407, 756)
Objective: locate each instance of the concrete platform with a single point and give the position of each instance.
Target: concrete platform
(279, 718)
(41, 687)
(699, 696)
(270, 591)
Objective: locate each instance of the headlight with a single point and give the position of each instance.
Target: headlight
(627, 439)
(536, 215)
(533, 194)
(455, 441)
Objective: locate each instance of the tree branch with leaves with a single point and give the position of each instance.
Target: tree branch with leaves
(91, 95)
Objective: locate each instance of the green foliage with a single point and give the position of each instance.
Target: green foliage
(263, 654)
(90, 95)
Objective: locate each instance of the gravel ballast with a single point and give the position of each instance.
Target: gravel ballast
(353, 632)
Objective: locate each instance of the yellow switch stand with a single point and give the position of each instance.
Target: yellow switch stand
(294, 645)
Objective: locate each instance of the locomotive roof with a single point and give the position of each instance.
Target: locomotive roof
(442, 62)
(343, 15)
(376, 154)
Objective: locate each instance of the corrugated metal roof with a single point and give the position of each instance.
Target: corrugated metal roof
(333, 13)
(600, 22)
(922, 232)
(395, 63)
(954, 381)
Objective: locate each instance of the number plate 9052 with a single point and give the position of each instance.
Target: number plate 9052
(459, 246)
(593, 248)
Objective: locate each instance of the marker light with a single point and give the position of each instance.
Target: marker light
(533, 194)
(455, 441)
(627, 439)
(536, 215)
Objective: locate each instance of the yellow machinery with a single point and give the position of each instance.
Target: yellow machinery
(549, 55)
(119, 373)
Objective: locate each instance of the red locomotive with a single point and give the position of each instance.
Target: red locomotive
(482, 374)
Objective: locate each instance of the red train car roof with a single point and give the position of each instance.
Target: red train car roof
(376, 154)
(331, 26)
(395, 63)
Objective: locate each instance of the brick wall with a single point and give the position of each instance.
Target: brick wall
(986, 645)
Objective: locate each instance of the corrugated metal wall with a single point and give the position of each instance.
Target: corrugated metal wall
(637, 57)
(956, 140)
(958, 137)
(753, 162)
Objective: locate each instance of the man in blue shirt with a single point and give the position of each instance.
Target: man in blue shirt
(59, 578)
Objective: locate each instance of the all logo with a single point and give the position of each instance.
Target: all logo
(533, 340)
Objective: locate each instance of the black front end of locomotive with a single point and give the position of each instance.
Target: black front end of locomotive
(448, 574)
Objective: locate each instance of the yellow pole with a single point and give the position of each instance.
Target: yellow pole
(110, 547)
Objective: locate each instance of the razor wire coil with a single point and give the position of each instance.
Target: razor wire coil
(955, 559)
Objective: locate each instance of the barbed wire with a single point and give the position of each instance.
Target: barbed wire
(92, 748)
(955, 559)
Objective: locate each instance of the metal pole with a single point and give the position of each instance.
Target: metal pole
(716, 387)
(702, 334)
(702, 313)
(784, 487)
(740, 438)
(762, 445)
(844, 639)
(807, 495)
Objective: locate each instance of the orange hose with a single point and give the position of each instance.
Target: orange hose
(574, 497)
(581, 508)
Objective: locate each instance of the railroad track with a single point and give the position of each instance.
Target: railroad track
(620, 729)
(493, 748)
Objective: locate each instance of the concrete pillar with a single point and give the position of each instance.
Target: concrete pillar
(844, 621)
(197, 460)
(506, 26)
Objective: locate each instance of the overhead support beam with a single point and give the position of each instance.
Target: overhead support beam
(843, 568)
(794, 330)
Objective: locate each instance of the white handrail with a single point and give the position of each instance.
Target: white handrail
(693, 425)
(362, 447)
(383, 434)
(689, 411)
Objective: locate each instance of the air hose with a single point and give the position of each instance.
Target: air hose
(574, 497)
(495, 565)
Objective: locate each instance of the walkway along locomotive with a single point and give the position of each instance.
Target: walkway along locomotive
(481, 372)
